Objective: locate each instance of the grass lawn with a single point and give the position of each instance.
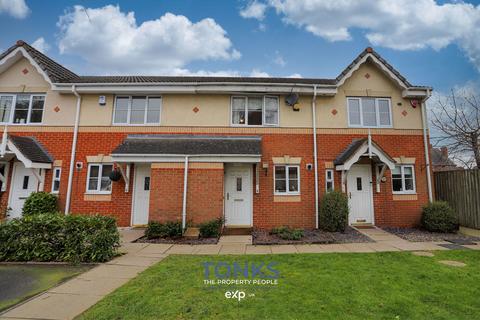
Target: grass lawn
(19, 282)
(395, 285)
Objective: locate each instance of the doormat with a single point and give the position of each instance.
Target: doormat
(237, 231)
(364, 227)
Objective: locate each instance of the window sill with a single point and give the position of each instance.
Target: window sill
(97, 197)
(287, 198)
(405, 197)
(136, 125)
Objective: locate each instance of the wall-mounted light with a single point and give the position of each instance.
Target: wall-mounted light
(265, 167)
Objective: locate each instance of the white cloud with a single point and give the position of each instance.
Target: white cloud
(295, 75)
(16, 8)
(259, 74)
(399, 24)
(41, 45)
(255, 10)
(111, 41)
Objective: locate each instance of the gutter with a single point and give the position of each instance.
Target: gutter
(426, 146)
(74, 147)
(315, 160)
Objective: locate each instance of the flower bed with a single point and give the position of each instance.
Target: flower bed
(420, 235)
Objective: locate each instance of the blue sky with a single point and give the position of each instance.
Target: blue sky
(279, 39)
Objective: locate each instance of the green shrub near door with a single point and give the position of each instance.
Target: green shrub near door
(438, 216)
(40, 203)
(333, 212)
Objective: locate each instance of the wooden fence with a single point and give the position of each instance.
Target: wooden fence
(461, 189)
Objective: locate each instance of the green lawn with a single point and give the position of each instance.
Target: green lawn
(311, 286)
(19, 282)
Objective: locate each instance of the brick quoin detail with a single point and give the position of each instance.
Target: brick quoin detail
(205, 186)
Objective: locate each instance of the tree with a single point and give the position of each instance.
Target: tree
(456, 125)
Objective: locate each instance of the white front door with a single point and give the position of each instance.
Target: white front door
(238, 195)
(24, 182)
(141, 195)
(359, 187)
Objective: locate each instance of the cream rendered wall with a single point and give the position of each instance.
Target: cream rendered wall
(93, 114)
(376, 85)
(14, 80)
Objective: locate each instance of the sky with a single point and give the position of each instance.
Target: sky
(430, 42)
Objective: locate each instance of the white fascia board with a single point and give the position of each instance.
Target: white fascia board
(181, 158)
(415, 93)
(15, 55)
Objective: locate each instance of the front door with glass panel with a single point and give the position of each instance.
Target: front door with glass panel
(142, 195)
(359, 187)
(24, 183)
(238, 195)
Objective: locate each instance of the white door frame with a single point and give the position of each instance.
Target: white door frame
(369, 169)
(12, 182)
(134, 192)
(225, 190)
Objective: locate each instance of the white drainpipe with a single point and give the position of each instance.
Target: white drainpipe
(184, 205)
(425, 143)
(315, 160)
(74, 147)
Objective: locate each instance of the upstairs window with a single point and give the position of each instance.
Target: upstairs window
(403, 179)
(255, 111)
(369, 112)
(21, 108)
(137, 110)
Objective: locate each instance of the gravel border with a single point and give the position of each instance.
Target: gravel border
(178, 240)
(420, 235)
(263, 237)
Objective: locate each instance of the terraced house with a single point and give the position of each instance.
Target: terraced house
(259, 152)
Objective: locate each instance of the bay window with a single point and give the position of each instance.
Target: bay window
(369, 112)
(287, 180)
(98, 179)
(255, 110)
(137, 110)
(403, 179)
(21, 108)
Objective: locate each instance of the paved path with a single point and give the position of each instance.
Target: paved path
(70, 299)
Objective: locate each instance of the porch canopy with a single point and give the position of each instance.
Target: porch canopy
(27, 150)
(366, 148)
(174, 148)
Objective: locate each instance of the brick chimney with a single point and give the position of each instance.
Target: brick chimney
(444, 152)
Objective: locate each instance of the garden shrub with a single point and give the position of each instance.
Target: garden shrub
(287, 233)
(169, 229)
(438, 216)
(211, 229)
(40, 203)
(333, 213)
(54, 237)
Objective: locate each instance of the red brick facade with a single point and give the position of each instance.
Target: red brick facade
(206, 185)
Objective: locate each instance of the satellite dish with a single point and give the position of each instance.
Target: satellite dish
(291, 99)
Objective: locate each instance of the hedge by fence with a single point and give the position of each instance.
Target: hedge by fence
(54, 237)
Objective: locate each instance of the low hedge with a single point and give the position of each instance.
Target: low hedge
(287, 233)
(40, 203)
(438, 216)
(333, 213)
(169, 229)
(58, 238)
(211, 229)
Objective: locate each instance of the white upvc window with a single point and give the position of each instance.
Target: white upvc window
(286, 180)
(56, 174)
(329, 180)
(403, 179)
(369, 112)
(21, 108)
(137, 110)
(98, 178)
(254, 111)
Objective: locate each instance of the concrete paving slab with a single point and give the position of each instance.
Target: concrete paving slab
(97, 287)
(260, 249)
(406, 245)
(382, 247)
(132, 247)
(309, 248)
(235, 240)
(131, 234)
(452, 263)
(132, 260)
(233, 249)
(207, 249)
(430, 246)
(156, 248)
(112, 271)
(474, 247)
(284, 248)
(53, 306)
(358, 247)
(336, 247)
(181, 249)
